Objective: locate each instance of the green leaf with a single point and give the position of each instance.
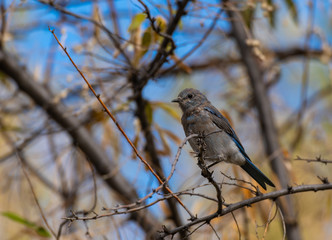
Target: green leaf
(146, 39)
(18, 219)
(292, 8)
(137, 21)
(272, 15)
(248, 15)
(149, 112)
(41, 231)
(161, 23)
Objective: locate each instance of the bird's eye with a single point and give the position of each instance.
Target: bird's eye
(190, 96)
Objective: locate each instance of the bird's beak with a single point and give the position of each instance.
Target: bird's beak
(177, 100)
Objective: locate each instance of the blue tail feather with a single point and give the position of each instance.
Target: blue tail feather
(256, 174)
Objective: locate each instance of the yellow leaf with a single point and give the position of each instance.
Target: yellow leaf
(172, 136)
(96, 17)
(149, 112)
(146, 39)
(137, 21)
(166, 149)
(161, 23)
(168, 108)
(110, 138)
(180, 64)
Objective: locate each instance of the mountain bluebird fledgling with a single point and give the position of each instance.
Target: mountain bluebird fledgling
(200, 116)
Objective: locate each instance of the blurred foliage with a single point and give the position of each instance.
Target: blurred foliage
(39, 230)
(214, 68)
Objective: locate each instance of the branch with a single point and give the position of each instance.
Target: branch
(101, 162)
(151, 149)
(120, 128)
(276, 54)
(206, 173)
(156, 29)
(323, 92)
(317, 159)
(112, 36)
(162, 54)
(305, 79)
(248, 202)
(191, 51)
(263, 104)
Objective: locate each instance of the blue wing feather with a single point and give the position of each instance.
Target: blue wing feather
(249, 166)
(223, 124)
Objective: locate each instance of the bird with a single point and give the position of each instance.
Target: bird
(222, 144)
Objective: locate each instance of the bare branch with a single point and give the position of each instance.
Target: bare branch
(162, 54)
(102, 163)
(111, 35)
(248, 202)
(268, 128)
(206, 173)
(317, 159)
(156, 29)
(35, 197)
(119, 127)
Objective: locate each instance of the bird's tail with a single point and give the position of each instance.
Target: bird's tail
(256, 174)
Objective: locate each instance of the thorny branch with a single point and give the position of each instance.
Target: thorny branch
(57, 112)
(155, 66)
(119, 127)
(248, 202)
(268, 128)
(111, 35)
(162, 54)
(156, 28)
(317, 159)
(22, 164)
(206, 172)
(305, 78)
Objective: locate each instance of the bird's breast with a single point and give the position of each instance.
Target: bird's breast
(198, 123)
(218, 144)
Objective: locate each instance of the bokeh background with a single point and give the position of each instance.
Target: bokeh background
(291, 42)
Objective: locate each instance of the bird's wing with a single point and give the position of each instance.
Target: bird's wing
(223, 124)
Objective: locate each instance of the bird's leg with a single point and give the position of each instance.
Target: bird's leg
(212, 164)
(196, 154)
(216, 159)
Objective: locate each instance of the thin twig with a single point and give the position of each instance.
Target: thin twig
(237, 225)
(162, 54)
(18, 155)
(244, 181)
(119, 127)
(111, 35)
(248, 202)
(214, 230)
(305, 77)
(317, 159)
(156, 29)
(177, 156)
(283, 223)
(35, 196)
(198, 227)
(269, 219)
(191, 51)
(114, 211)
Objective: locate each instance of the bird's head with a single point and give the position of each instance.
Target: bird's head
(190, 98)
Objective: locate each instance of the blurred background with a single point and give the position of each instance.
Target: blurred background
(266, 64)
